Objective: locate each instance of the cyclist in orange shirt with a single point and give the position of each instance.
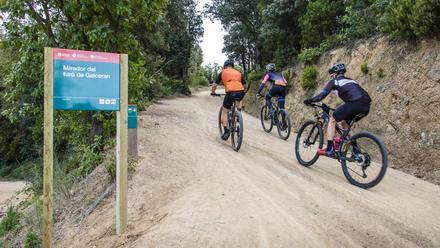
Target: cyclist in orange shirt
(234, 87)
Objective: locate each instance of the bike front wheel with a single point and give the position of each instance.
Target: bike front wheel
(364, 160)
(236, 130)
(309, 139)
(283, 124)
(266, 119)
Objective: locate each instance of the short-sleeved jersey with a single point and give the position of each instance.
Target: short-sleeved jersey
(232, 80)
(348, 90)
(275, 78)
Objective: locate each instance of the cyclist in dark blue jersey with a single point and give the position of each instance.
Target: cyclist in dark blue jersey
(278, 86)
(356, 101)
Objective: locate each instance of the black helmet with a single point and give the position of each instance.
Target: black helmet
(270, 67)
(338, 69)
(228, 62)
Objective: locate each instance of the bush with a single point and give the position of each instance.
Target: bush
(361, 18)
(110, 166)
(308, 78)
(380, 73)
(311, 54)
(286, 74)
(412, 18)
(364, 68)
(9, 222)
(32, 240)
(320, 21)
(256, 76)
(198, 80)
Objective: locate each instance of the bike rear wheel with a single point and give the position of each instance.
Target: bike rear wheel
(236, 130)
(220, 126)
(266, 119)
(283, 124)
(364, 160)
(309, 139)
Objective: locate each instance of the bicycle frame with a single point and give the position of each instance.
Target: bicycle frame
(322, 119)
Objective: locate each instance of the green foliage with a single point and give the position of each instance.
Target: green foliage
(380, 73)
(286, 74)
(412, 18)
(32, 240)
(256, 76)
(279, 31)
(10, 221)
(308, 78)
(362, 18)
(197, 74)
(364, 68)
(199, 80)
(311, 54)
(110, 166)
(320, 21)
(158, 36)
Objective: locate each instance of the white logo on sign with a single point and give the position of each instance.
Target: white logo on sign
(59, 54)
(74, 55)
(91, 56)
(107, 101)
(101, 101)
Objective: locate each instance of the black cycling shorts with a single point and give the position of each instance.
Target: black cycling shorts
(278, 90)
(231, 96)
(349, 110)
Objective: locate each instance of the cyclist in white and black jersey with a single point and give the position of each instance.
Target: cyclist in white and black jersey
(356, 101)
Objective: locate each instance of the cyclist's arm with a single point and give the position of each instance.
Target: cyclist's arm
(216, 82)
(263, 83)
(325, 92)
(243, 82)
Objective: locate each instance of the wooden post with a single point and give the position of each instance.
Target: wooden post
(121, 149)
(133, 143)
(48, 149)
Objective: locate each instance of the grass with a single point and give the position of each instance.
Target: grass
(364, 68)
(380, 73)
(10, 221)
(32, 240)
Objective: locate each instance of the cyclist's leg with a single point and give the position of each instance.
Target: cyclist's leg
(340, 114)
(238, 97)
(227, 104)
(353, 110)
(281, 93)
(268, 98)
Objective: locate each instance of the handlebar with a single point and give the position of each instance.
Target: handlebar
(221, 94)
(323, 106)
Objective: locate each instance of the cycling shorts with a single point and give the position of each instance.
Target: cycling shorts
(349, 110)
(278, 91)
(230, 97)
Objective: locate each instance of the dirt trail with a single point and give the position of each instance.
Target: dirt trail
(192, 190)
(11, 194)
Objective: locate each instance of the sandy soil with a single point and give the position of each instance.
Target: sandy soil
(10, 194)
(192, 190)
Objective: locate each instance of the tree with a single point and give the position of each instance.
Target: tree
(320, 21)
(157, 35)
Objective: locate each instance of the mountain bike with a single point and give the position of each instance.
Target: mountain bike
(235, 124)
(278, 117)
(363, 156)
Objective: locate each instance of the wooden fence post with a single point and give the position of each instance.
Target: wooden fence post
(121, 149)
(48, 149)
